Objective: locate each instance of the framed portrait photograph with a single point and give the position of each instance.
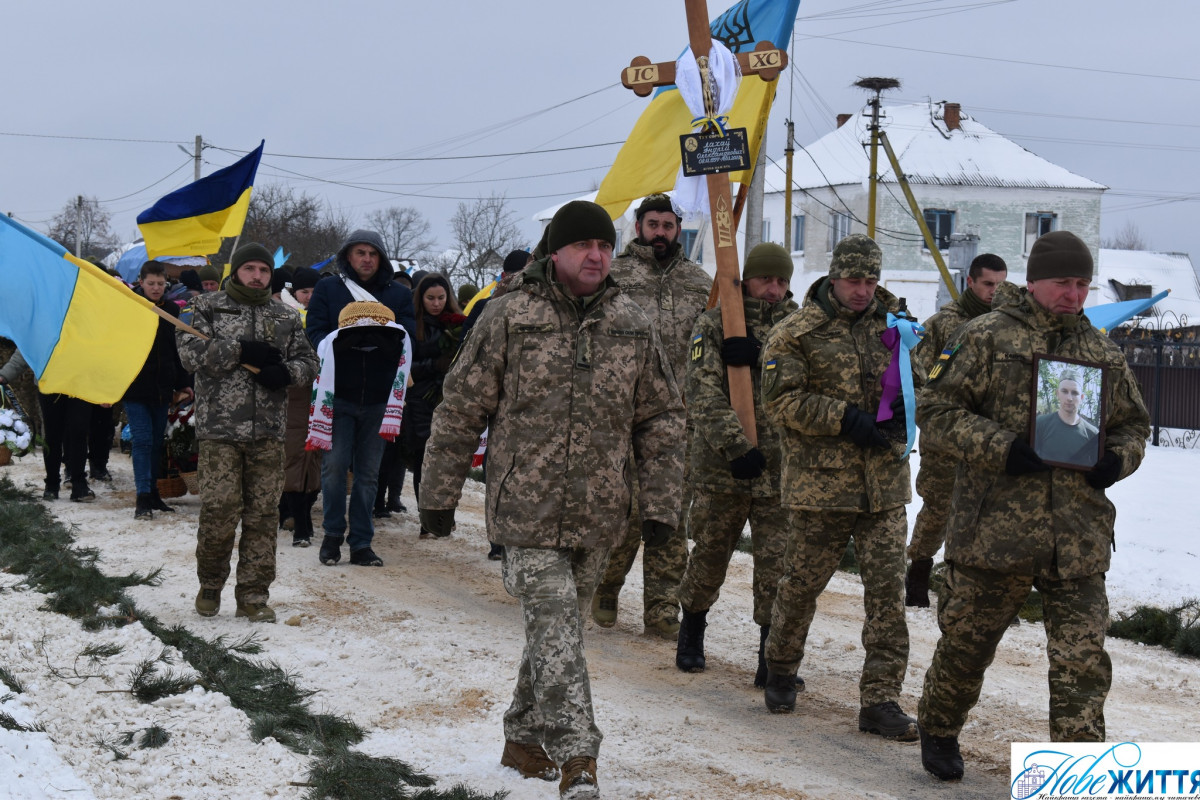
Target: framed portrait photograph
(1067, 411)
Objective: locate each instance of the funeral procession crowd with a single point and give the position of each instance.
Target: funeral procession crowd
(600, 384)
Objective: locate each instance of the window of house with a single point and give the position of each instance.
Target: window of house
(798, 233)
(839, 228)
(687, 239)
(1038, 224)
(941, 224)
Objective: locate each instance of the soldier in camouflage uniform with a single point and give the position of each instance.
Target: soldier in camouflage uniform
(673, 292)
(571, 376)
(821, 387)
(733, 480)
(240, 418)
(1017, 523)
(935, 478)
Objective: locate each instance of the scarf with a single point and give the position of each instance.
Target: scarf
(247, 296)
(320, 409)
(972, 304)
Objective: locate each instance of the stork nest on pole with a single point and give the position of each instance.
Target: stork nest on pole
(877, 84)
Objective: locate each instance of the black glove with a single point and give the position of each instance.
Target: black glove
(656, 534)
(1022, 459)
(273, 377)
(438, 521)
(740, 351)
(1106, 472)
(259, 354)
(859, 427)
(748, 465)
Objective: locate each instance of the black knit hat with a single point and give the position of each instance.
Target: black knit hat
(1058, 254)
(655, 202)
(304, 278)
(515, 261)
(209, 273)
(279, 280)
(768, 259)
(577, 221)
(252, 251)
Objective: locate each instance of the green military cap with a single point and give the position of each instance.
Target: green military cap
(856, 256)
(768, 259)
(1059, 254)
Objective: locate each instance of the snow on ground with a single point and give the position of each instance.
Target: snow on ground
(422, 654)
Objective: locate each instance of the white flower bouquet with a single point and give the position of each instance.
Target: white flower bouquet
(14, 430)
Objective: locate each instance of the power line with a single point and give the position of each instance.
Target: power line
(87, 138)
(233, 151)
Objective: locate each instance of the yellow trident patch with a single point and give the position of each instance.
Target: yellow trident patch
(943, 361)
(697, 348)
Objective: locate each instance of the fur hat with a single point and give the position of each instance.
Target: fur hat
(1058, 254)
(856, 256)
(768, 260)
(359, 313)
(578, 221)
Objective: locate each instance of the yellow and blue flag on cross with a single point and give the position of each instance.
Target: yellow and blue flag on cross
(82, 331)
(649, 160)
(192, 221)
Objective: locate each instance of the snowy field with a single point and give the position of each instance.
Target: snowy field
(422, 654)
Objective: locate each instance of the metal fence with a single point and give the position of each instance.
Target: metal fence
(1166, 362)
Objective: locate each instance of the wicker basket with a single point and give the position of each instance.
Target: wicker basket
(171, 487)
(5, 456)
(191, 480)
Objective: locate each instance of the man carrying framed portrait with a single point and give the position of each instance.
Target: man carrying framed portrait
(1029, 515)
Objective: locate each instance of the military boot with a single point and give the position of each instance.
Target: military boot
(579, 779)
(916, 583)
(208, 602)
(255, 612)
(530, 760)
(689, 651)
(780, 692)
(887, 720)
(760, 675)
(604, 609)
(940, 756)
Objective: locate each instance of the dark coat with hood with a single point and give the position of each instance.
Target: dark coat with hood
(331, 295)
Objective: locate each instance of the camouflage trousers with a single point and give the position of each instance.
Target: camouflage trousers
(974, 612)
(239, 481)
(935, 484)
(815, 547)
(552, 701)
(715, 522)
(662, 569)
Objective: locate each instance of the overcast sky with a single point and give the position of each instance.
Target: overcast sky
(99, 96)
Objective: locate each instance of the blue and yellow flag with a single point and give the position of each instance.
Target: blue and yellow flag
(191, 221)
(83, 332)
(649, 160)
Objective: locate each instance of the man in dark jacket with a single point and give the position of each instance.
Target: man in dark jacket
(162, 380)
(364, 274)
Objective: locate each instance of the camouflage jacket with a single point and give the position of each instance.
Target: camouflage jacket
(938, 329)
(715, 436)
(817, 362)
(672, 296)
(568, 392)
(230, 404)
(1046, 524)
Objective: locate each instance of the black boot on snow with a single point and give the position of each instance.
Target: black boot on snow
(916, 583)
(780, 693)
(143, 509)
(689, 652)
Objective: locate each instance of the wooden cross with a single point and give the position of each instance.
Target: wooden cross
(642, 76)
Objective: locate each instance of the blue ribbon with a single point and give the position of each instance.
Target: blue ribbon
(720, 122)
(910, 336)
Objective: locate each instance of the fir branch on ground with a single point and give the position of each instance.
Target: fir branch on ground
(10, 724)
(1177, 629)
(11, 681)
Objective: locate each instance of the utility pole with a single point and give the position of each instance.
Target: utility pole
(196, 156)
(79, 226)
(787, 192)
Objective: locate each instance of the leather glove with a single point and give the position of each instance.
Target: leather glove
(1022, 459)
(273, 377)
(1106, 472)
(859, 427)
(656, 534)
(259, 354)
(438, 521)
(748, 465)
(740, 351)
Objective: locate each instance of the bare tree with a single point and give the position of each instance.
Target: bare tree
(83, 226)
(1129, 238)
(484, 233)
(404, 229)
(303, 225)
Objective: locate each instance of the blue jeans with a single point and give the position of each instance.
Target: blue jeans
(357, 447)
(147, 424)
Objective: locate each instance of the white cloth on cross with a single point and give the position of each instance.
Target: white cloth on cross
(691, 193)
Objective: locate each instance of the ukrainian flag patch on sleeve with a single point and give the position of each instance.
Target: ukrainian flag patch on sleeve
(770, 365)
(943, 361)
(697, 347)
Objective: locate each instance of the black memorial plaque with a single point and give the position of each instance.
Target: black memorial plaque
(710, 153)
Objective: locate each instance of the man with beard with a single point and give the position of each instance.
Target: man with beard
(673, 292)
